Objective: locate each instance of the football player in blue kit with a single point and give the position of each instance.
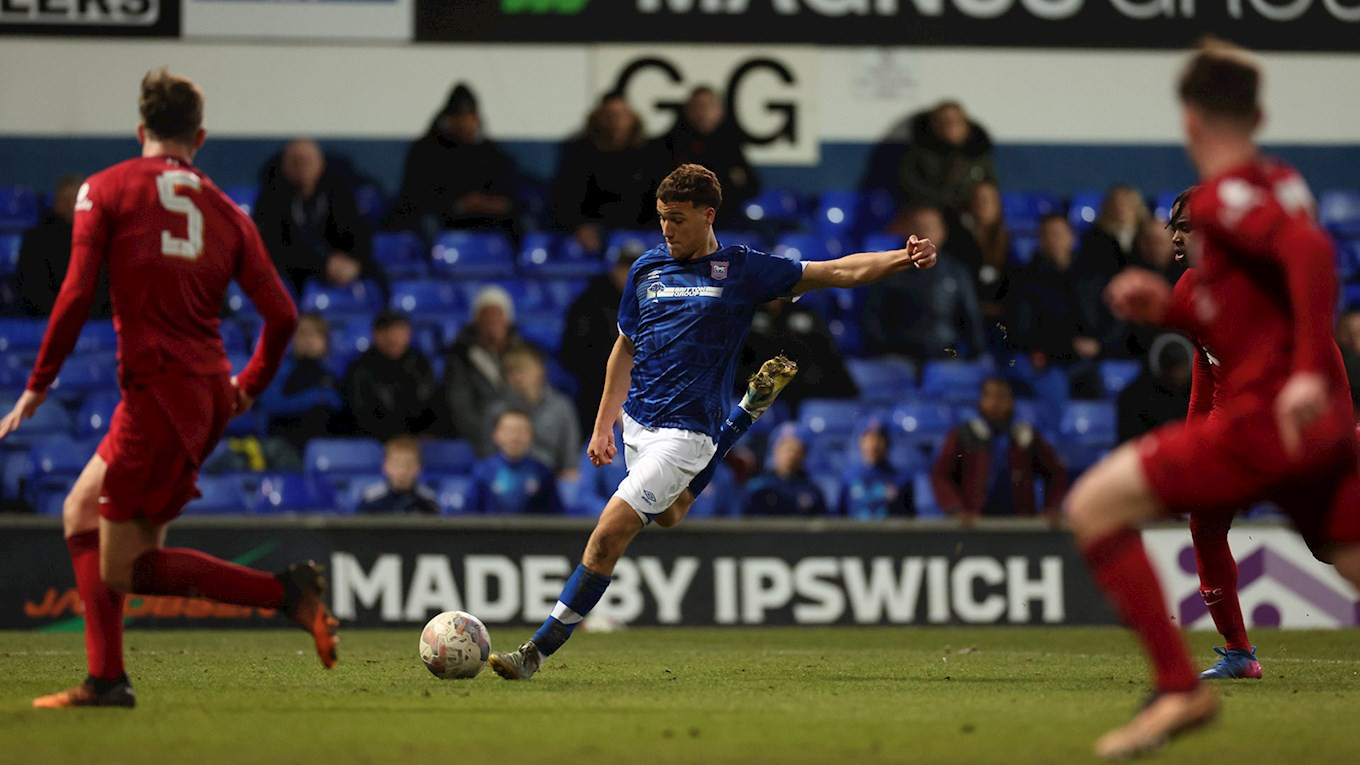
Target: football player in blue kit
(684, 315)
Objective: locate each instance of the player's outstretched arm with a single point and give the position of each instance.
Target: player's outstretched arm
(618, 374)
(866, 267)
(260, 281)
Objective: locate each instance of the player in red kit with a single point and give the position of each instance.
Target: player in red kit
(172, 242)
(1209, 533)
(1285, 430)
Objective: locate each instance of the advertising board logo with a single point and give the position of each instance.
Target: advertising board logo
(1264, 565)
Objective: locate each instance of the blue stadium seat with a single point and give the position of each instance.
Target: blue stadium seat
(1116, 374)
(342, 455)
(1083, 207)
(800, 247)
(95, 413)
(836, 213)
(542, 328)
(921, 425)
(348, 341)
(550, 255)
(1339, 211)
(243, 196)
(720, 500)
(474, 255)
(49, 420)
(59, 457)
(361, 296)
(348, 500)
(9, 253)
(777, 206)
(452, 456)
(371, 202)
(455, 495)
(923, 495)
(18, 209)
(291, 492)
(234, 339)
(16, 472)
(50, 499)
(1037, 414)
(748, 238)
(401, 254)
(428, 297)
(1088, 423)
(830, 487)
(1024, 249)
(81, 376)
(238, 303)
(954, 381)
(559, 294)
(97, 336)
(831, 418)
(1347, 257)
(21, 336)
(222, 495)
(883, 380)
(881, 242)
(1021, 210)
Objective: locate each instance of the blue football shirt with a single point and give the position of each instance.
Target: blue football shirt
(687, 320)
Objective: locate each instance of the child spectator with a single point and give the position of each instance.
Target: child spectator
(787, 489)
(305, 394)
(401, 492)
(872, 488)
(557, 436)
(510, 482)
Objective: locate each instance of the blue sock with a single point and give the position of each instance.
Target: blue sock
(737, 423)
(581, 593)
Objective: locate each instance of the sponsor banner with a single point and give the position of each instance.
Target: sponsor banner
(1263, 24)
(327, 19)
(711, 574)
(110, 18)
(770, 93)
(1279, 584)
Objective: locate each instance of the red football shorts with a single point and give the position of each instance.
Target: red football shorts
(1212, 468)
(160, 434)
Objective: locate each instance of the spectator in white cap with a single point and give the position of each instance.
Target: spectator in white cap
(473, 379)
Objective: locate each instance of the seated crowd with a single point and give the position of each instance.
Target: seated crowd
(974, 390)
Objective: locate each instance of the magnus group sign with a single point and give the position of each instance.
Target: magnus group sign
(1262, 24)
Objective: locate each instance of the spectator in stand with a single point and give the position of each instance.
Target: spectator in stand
(511, 482)
(309, 220)
(1048, 315)
(400, 492)
(473, 377)
(304, 399)
(1106, 249)
(607, 176)
(991, 245)
(390, 389)
(592, 326)
(45, 254)
(1154, 251)
(456, 177)
(949, 154)
(781, 326)
(703, 135)
(557, 435)
(925, 314)
(872, 488)
(787, 489)
(1161, 392)
(1348, 339)
(987, 466)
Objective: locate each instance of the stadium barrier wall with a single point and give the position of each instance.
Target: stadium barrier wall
(387, 572)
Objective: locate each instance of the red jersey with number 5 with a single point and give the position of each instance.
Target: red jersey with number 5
(173, 242)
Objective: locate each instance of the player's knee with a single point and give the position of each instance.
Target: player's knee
(117, 575)
(80, 511)
(1084, 504)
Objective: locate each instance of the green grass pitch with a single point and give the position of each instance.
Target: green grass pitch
(656, 696)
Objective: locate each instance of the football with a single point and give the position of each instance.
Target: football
(454, 645)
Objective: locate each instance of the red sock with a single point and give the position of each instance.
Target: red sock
(1218, 580)
(192, 574)
(1120, 568)
(103, 609)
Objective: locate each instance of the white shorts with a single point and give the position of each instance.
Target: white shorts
(661, 462)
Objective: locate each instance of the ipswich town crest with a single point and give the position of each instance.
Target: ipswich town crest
(718, 270)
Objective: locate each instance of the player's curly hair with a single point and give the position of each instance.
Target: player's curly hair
(1221, 80)
(691, 183)
(171, 106)
(1178, 206)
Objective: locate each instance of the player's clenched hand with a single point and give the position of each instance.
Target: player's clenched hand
(1139, 295)
(243, 400)
(1301, 401)
(601, 448)
(921, 252)
(24, 408)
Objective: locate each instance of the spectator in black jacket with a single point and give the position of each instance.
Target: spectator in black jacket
(456, 177)
(400, 492)
(390, 388)
(925, 314)
(780, 326)
(45, 254)
(591, 329)
(1161, 393)
(311, 223)
(948, 155)
(607, 176)
(703, 135)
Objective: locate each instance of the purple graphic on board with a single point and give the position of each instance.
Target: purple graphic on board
(1266, 563)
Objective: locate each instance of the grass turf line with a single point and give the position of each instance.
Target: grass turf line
(656, 696)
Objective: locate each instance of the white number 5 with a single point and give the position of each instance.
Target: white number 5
(168, 183)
